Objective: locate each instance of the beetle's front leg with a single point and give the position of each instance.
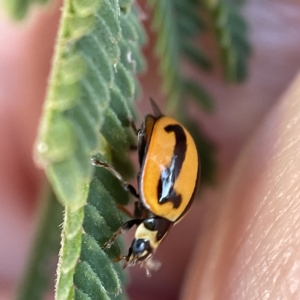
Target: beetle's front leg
(131, 189)
(125, 227)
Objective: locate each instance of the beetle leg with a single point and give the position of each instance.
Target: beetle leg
(125, 210)
(140, 212)
(131, 189)
(127, 186)
(97, 163)
(121, 257)
(125, 227)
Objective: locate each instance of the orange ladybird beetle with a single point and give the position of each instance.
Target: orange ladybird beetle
(167, 183)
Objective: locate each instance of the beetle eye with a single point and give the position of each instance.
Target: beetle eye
(139, 246)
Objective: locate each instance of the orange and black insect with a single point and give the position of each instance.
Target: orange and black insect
(167, 183)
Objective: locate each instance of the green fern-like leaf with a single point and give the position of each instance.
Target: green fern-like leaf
(200, 95)
(168, 50)
(231, 34)
(177, 23)
(90, 98)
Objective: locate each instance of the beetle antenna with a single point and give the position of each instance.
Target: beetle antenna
(156, 110)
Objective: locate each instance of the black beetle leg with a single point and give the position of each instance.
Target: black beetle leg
(131, 189)
(125, 227)
(128, 187)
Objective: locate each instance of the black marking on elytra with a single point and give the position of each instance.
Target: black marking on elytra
(165, 187)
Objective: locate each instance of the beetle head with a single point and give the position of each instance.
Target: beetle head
(141, 252)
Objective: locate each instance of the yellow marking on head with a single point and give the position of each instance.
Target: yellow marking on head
(143, 233)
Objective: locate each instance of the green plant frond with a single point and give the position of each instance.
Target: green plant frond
(196, 56)
(133, 19)
(231, 34)
(69, 252)
(177, 23)
(90, 99)
(200, 95)
(189, 22)
(167, 49)
(101, 220)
